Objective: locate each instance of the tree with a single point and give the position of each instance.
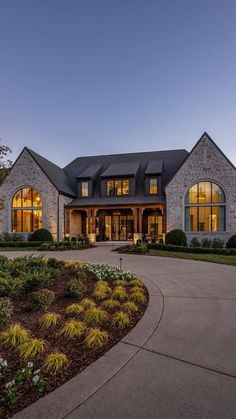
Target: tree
(5, 162)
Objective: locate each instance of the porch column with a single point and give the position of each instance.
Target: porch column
(91, 225)
(140, 221)
(135, 214)
(69, 222)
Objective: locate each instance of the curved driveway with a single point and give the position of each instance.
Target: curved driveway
(179, 361)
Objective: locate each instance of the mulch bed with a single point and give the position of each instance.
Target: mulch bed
(79, 356)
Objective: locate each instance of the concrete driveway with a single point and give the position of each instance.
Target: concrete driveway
(180, 360)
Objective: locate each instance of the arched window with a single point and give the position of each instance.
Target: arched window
(205, 208)
(26, 211)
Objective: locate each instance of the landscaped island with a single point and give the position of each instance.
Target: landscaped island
(56, 318)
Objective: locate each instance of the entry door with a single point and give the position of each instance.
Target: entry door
(116, 227)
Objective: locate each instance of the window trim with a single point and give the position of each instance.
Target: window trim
(115, 180)
(149, 185)
(30, 209)
(87, 182)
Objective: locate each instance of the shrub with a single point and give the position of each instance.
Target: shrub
(119, 293)
(107, 272)
(136, 289)
(120, 282)
(6, 310)
(4, 261)
(72, 328)
(54, 362)
(10, 287)
(31, 348)
(55, 263)
(96, 338)
(206, 243)
(130, 307)
(50, 319)
(218, 243)
(15, 336)
(142, 247)
(101, 290)
(41, 300)
(87, 303)
(136, 283)
(74, 309)
(194, 242)
(95, 316)
(138, 297)
(74, 288)
(111, 304)
(231, 243)
(176, 237)
(41, 235)
(121, 319)
(37, 279)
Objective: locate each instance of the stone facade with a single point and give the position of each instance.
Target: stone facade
(205, 162)
(26, 173)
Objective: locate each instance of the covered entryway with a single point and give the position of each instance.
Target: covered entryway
(114, 225)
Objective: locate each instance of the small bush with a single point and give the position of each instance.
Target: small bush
(231, 243)
(54, 362)
(121, 282)
(111, 304)
(102, 290)
(37, 279)
(41, 235)
(136, 289)
(206, 243)
(31, 348)
(15, 336)
(96, 338)
(74, 288)
(11, 287)
(130, 307)
(194, 242)
(138, 297)
(121, 319)
(41, 300)
(74, 309)
(119, 293)
(72, 328)
(6, 310)
(50, 319)
(136, 283)
(95, 316)
(55, 263)
(87, 303)
(218, 243)
(176, 237)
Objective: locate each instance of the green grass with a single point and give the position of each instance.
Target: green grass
(225, 260)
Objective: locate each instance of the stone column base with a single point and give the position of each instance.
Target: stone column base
(137, 236)
(92, 238)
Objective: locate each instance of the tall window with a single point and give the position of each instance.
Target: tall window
(118, 187)
(153, 189)
(85, 189)
(205, 208)
(26, 211)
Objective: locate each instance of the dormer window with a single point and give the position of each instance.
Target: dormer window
(118, 187)
(153, 186)
(84, 189)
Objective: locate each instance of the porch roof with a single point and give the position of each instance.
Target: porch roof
(113, 201)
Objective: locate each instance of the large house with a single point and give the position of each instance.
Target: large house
(123, 196)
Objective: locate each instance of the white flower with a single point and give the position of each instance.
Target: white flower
(1, 360)
(10, 384)
(4, 363)
(30, 365)
(36, 372)
(35, 379)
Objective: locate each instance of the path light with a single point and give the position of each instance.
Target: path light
(120, 263)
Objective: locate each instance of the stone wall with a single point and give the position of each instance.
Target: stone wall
(26, 173)
(206, 162)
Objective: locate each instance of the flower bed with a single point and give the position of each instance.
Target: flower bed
(56, 318)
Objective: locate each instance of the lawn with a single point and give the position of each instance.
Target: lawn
(56, 318)
(226, 260)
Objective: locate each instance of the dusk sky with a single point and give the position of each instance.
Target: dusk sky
(104, 76)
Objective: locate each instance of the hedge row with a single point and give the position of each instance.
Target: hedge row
(19, 244)
(205, 250)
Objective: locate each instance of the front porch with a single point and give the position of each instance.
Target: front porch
(113, 224)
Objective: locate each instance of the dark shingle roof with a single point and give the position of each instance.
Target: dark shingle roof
(90, 172)
(154, 167)
(55, 174)
(121, 169)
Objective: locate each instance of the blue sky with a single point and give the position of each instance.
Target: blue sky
(106, 76)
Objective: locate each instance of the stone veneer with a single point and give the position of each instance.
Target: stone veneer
(27, 173)
(206, 162)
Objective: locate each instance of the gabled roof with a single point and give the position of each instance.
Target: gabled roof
(54, 173)
(154, 167)
(90, 172)
(122, 169)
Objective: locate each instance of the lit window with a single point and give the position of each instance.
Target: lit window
(118, 187)
(203, 214)
(26, 211)
(153, 189)
(85, 189)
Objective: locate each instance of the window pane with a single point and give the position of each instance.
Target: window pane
(27, 197)
(191, 197)
(16, 221)
(16, 203)
(191, 219)
(204, 221)
(217, 194)
(218, 218)
(84, 189)
(204, 192)
(118, 190)
(126, 187)
(27, 221)
(37, 219)
(110, 187)
(153, 186)
(37, 200)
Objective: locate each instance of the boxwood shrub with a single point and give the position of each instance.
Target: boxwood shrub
(185, 249)
(231, 243)
(41, 235)
(176, 237)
